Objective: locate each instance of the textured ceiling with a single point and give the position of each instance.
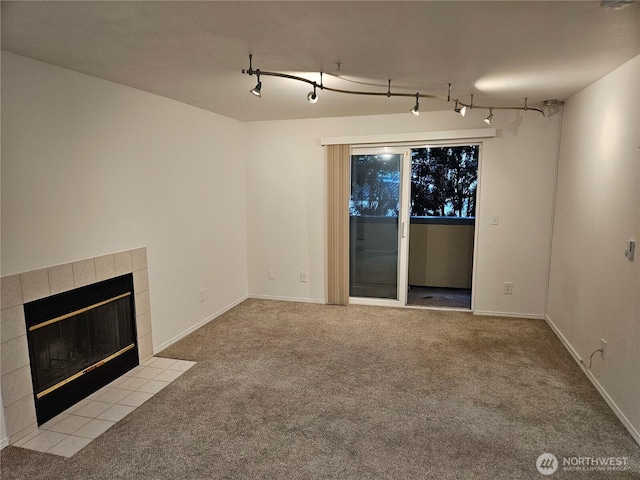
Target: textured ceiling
(194, 52)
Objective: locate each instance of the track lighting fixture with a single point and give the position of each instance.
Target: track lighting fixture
(489, 118)
(256, 90)
(312, 97)
(416, 108)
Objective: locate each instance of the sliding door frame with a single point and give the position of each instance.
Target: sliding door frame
(404, 230)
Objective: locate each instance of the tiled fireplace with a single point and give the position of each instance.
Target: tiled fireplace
(17, 385)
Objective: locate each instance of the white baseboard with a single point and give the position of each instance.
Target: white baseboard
(531, 316)
(4, 443)
(603, 393)
(192, 329)
(287, 299)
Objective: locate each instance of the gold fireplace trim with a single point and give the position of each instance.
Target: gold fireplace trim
(77, 312)
(86, 370)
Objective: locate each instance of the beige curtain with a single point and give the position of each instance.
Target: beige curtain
(338, 193)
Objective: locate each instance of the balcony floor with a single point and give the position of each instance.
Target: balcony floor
(439, 297)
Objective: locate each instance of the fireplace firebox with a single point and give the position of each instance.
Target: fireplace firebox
(79, 341)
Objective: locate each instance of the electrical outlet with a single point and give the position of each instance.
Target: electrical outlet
(603, 347)
(271, 274)
(202, 294)
(304, 276)
(507, 289)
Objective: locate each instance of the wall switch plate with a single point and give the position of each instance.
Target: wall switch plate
(304, 276)
(494, 219)
(202, 294)
(271, 274)
(603, 347)
(507, 289)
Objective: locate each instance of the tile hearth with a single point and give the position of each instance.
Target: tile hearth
(72, 430)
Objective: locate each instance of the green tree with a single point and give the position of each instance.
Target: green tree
(444, 181)
(374, 185)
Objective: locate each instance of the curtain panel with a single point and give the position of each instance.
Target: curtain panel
(338, 193)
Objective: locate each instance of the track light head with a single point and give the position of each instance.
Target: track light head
(312, 97)
(461, 110)
(416, 108)
(256, 90)
(489, 118)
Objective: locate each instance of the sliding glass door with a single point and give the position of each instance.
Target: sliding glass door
(412, 224)
(374, 216)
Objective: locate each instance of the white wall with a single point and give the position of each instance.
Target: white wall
(594, 291)
(90, 167)
(286, 202)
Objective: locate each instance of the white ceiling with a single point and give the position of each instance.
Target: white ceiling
(194, 52)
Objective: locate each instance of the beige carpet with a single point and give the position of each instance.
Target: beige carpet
(302, 391)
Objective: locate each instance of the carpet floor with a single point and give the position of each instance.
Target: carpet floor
(303, 391)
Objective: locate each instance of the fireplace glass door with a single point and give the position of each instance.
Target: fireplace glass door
(79, 341)
(67, 346)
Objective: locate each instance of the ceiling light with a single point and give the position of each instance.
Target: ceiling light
(311, 96)
(416, 108)
(489, 118)
(256, 90)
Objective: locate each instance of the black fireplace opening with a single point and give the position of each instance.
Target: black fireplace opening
(79, 341)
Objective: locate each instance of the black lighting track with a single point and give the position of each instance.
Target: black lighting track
(388, 93)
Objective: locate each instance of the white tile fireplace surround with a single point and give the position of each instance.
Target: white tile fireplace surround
(17, 387)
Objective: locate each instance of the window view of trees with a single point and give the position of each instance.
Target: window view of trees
(375, 185)
(444, 181)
